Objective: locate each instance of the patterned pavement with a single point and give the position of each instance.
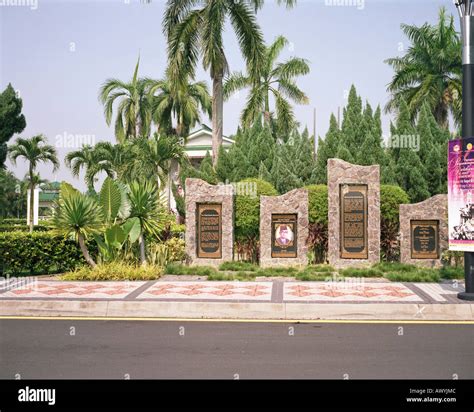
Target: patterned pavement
(361, 292)
(276, 291)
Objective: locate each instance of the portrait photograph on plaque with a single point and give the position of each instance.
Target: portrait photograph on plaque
(353, 211)
(284, 228)
(209, 230)
(424, 239)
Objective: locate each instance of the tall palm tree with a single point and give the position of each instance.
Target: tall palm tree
(180, 100)
(89, 159)
(430, 71)
(276, 79)
(34, 151)
(133, 116)
(195, 28)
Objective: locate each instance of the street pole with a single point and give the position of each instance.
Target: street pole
(466, 13)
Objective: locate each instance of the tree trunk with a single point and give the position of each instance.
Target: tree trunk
(141, 243)
(85, 252)
(217, 115)
(32, 200)
(266, 114)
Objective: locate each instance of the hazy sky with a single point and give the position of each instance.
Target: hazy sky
(57, 53)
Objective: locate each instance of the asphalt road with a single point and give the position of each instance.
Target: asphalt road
(38, 349)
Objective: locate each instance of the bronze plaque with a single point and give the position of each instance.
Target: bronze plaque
(424, 239)
(353, 210)
(284, 235)
(209, 230)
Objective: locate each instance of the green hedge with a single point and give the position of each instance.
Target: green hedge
(23, 228)
(247, 208)
(12, 221)
(318, 203)
(38, 253)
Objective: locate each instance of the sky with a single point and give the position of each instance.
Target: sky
(57, 53)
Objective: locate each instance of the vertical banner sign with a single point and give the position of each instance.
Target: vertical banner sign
(460, 188)
(209, 231)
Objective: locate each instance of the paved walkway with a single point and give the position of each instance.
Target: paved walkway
(354, 291)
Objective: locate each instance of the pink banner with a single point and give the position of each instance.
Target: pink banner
(460, 189)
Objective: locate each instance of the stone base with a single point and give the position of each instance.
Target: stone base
(293, 202)
(434, 208)
(198, 191)
(340, 173)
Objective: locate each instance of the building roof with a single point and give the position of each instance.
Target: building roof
(199, 142)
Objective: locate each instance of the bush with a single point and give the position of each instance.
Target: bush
(115, 271)
(173, 250)
(390, 199)
(179, 269)
(361, 272)
(451, 272)
(38, 253)
(247, 216)
(12, 221)
(318, 203)
(421, 275)
(239, 266)
(318, 223)
(23, 228)
(247, 208)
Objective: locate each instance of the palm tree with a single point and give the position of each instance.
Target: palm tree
(87, 158)
(275, 79)
(181, 100)
(155, 155)
(145, 205)
(80, 216)
(195, 28)
(33, 150)
(430, 71)
(133, 116)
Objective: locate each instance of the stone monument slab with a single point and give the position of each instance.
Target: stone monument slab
(424, 231)
(284, 229)
(209, 222)
(354, 214)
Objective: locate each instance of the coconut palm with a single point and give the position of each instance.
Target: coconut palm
(275, 79)
(89, 159)
(34, 151)
(80, 216)
(194, 28)
(133, 117)
(180, 100)
(430, 71)
(145, 205)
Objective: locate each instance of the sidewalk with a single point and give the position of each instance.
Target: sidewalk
(275, 299)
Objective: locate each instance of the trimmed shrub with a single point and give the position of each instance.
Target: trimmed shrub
(390, 199)
(39, 253)
(115, 271)
(239, 266)
(318, 203)
(247, 216)
(23, 228)
(318, 223)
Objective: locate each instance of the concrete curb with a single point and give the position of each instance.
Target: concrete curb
(238, 310)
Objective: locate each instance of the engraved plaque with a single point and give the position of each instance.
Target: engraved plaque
(424, 239)
(353, 211)
(209, 230)
(284, 235)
